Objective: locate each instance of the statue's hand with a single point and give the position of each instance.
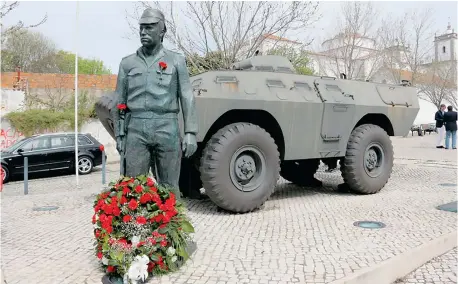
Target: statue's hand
(118, 144)
(189, 145)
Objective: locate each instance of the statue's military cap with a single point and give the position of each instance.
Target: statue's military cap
(151, 16)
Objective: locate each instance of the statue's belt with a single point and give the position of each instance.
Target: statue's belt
(153, 115)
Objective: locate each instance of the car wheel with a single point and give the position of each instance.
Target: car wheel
(85, 165)
(368, 160)
(5, 174)
(240, 167)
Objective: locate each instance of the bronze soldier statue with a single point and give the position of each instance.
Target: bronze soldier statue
(152, 84)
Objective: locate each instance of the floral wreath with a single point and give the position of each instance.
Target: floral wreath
(140, 228)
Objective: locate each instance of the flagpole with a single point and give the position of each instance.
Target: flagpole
(76, 95)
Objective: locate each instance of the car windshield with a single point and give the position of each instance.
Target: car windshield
(15, 145)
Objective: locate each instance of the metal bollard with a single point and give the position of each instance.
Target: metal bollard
(26, 175)
(102, 148)
(103, 169)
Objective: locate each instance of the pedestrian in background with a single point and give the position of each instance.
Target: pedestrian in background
(439, 117)
(450, 118)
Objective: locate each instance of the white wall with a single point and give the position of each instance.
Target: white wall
(96, 129)
(11, 100)
(426, 113)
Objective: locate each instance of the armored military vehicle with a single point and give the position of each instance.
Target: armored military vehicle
(261, 120)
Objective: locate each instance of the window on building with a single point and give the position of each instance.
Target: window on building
(443, 49)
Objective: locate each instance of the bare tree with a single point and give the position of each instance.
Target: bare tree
(233, 29)
(54, 97)
(353, 50)
(30, 50)
(452, 98)
(407, 44)
(438, 85)
(5, 9)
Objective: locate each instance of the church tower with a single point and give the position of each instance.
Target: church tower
(446, 47)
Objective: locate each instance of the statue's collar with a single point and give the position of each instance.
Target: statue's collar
(159, 55)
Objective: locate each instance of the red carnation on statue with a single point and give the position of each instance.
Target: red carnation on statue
(163, 65)
(122, 106)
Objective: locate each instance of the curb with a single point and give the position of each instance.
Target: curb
(401, 265)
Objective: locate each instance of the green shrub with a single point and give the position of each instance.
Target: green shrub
(52, 117)
(34, 121)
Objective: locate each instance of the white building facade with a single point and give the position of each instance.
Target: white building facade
(446, 48)
(359, 57)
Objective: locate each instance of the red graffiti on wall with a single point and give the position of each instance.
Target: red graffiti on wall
(9, 136)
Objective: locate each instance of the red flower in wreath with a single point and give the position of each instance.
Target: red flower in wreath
(122, 106)
(163, 65)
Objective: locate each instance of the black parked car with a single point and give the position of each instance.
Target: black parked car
(49, 152)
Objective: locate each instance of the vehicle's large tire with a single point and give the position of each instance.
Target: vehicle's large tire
(368, 160)
(229, 156)
(300, 172)
(5, 174)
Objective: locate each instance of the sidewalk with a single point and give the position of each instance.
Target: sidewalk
(300, 235)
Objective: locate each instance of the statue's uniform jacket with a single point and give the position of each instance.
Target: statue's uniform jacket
(153, 96)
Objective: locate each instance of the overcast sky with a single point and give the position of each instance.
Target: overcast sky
(102, 24)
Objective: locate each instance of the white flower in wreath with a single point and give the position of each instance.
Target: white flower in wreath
(153, 179)
(138, 269)
(171, 251)
(174, 258)
(105, 260)
(135, 240)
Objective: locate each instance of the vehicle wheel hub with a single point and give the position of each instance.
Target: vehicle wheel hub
(373, 160)
(84, 165)
(247, 168)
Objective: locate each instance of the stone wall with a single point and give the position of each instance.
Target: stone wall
(65, 81)
(60, 86)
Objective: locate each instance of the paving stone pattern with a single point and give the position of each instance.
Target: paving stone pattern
(440, 270)
(299, 236)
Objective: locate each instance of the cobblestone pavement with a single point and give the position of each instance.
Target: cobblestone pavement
(440, 270)
(299, 236)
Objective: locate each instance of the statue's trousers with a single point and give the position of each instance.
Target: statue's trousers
(154, 141)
